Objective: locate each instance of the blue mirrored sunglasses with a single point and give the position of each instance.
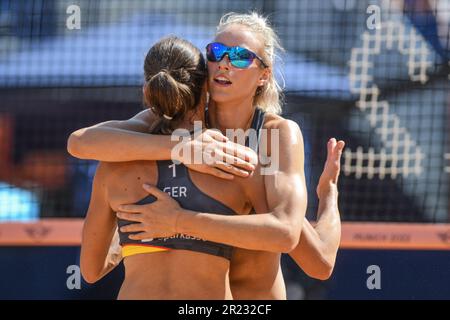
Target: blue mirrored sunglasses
(239, 57)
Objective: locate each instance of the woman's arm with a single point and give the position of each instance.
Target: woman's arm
(318, 246)
(276, 231)
(129, 140)
(315, 252)
(98, 230)
(116, 141)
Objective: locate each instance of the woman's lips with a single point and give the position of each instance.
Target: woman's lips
(222, 81)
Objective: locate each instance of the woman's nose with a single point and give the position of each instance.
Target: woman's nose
(224, 63)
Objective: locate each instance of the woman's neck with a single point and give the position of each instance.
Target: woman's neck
(197, 114)
(224, 116)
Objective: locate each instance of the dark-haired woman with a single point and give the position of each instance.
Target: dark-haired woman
(179, 266)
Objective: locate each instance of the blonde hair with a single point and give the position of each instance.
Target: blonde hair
(268, 98)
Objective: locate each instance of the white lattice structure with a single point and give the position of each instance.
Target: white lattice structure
(447, 165)
(400, 154)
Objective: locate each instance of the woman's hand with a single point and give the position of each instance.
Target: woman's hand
(328, 181)
(154, 220)
(219, 156)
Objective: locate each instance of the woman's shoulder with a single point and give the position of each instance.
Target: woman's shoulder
(275, 121)
(113, 172)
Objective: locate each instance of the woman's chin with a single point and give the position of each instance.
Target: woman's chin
(220, 97)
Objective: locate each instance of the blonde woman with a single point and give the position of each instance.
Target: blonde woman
(242, 88)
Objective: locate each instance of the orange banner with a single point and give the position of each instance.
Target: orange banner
(355, 235)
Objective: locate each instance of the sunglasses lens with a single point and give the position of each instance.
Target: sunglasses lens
(215, 51)
(241, 63)
(239, 57)
(242, 58)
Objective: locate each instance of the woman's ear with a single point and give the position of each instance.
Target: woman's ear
(264, 78)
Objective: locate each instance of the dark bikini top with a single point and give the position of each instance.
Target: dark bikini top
(176, 181)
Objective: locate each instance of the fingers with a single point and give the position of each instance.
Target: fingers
(129, 216)
(237, 155)
(131, 208)
(220, 174)
(235, 161)
(141, 236)
(334, 153)
(216, 135)
(236, 166)
(242, 158)
(330, 147)
(228, 163)
(135, 227)
(335, 148)
(231, 169)
(154, 191)
(241, 152)
(337, 152)
(340, 145)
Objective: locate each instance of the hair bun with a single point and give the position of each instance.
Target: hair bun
(175, 72)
